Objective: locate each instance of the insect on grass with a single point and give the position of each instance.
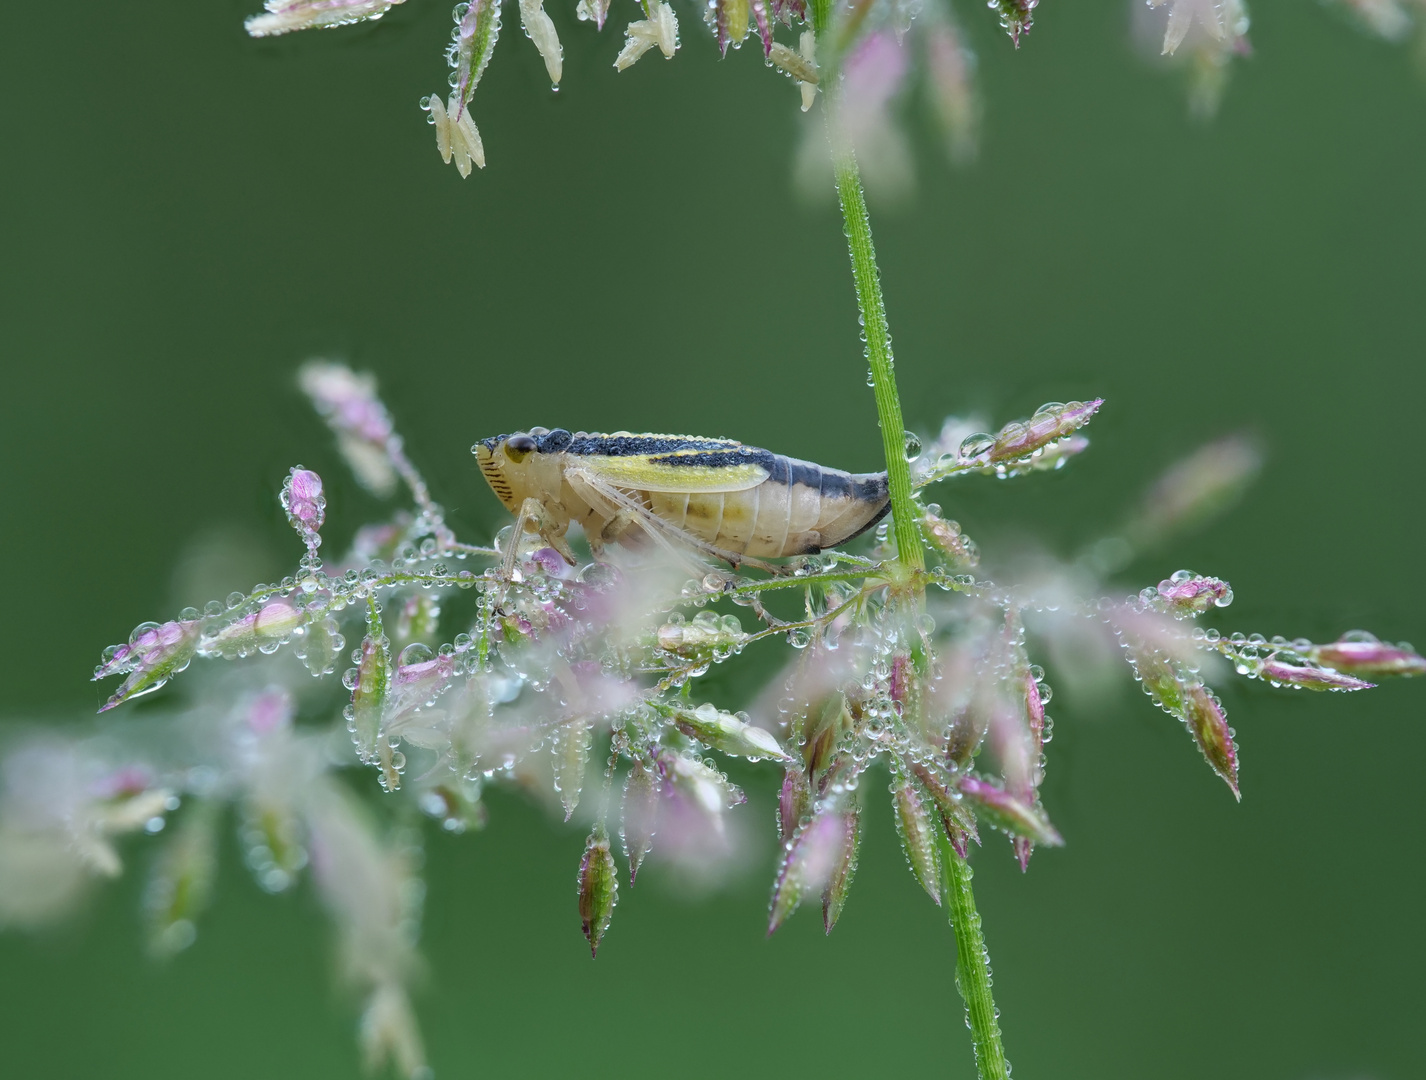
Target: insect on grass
(737, 503)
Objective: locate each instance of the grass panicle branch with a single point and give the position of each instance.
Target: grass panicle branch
(526, 669)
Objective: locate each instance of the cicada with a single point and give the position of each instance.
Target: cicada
(734, 502)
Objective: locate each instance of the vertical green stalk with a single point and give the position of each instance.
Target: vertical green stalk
(973, 968)
(878, 354)
(972, 960)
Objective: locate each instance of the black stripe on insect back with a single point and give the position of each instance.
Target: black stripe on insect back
(559, 440)
(872, 488)
(714, 455)
(836, 484)
(779, 469)
(809, 475)
(663, 449)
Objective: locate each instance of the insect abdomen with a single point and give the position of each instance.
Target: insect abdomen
(848, 504)
(801, 507)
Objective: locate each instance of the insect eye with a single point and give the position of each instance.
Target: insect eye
(519, 447)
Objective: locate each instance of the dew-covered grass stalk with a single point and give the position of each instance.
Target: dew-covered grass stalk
(973, 968)
(972, 960)
(878, 354)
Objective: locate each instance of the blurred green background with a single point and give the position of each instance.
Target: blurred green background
(188, 214)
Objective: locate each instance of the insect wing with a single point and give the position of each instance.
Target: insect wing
(642, 473)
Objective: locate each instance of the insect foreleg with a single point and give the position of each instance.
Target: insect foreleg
(549, 527)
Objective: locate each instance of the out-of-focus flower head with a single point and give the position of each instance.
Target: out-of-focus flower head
(883, 54)
(348, 402)
(1191, 492)
(369, 886)
(950, 78)
(1392, 20)
(874, 74)
(1197, 488)
(284, 16)
(61, 805)
(1202, 35)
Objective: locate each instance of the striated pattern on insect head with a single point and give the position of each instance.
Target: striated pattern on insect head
(585, 686)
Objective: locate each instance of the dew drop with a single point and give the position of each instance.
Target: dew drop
(975, 445)
(416, 653)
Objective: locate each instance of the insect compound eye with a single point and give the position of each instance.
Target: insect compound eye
(554, 441)
(519, 447)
